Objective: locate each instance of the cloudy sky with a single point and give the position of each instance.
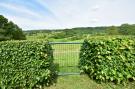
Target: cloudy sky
(55, 14)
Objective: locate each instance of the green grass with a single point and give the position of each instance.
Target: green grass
(84, 82)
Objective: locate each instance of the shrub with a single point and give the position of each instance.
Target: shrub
(108, 60)
(25, 64)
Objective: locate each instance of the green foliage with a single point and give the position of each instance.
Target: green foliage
(109, 60)
(57, 35)
(9, 30)
(26, 64)
(77, 37)
(2, 36)
(112, 30)
(3, 21)
(65, 33)
(124, 29)
(127, 29)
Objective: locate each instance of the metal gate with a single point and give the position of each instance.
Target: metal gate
(66, 55)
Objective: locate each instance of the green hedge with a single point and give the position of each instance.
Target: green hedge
(26, 64)
(108, 60)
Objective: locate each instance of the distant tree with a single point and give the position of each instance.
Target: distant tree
(3, 21)
(9, 30)
(112, 30)
(127, 29)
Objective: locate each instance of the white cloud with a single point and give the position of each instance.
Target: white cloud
(94, 20)
(95, 8)
(72, 13)
(28, 24)
(28, 19)
(20, 9)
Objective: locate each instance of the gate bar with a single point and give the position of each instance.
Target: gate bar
(65, 42)
(63, 74)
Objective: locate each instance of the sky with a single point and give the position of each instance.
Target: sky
(60, 14)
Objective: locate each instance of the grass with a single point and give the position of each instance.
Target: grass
(84, 82)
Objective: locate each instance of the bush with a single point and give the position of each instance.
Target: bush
(3, 38)
(108, 60)
(25, 64)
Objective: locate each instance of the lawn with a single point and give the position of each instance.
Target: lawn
(84, 82)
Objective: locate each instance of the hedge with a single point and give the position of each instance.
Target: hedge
(26, 64)
(108, 60)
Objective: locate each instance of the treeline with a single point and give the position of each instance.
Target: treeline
(9, 30)
(124, 29)
(73, 31)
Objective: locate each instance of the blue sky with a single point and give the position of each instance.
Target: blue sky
(55, 14)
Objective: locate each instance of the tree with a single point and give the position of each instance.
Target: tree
(112, 30)
(3, 21)
(9, 30)
(127, 29)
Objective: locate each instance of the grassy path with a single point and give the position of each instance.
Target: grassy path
(84, 82)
